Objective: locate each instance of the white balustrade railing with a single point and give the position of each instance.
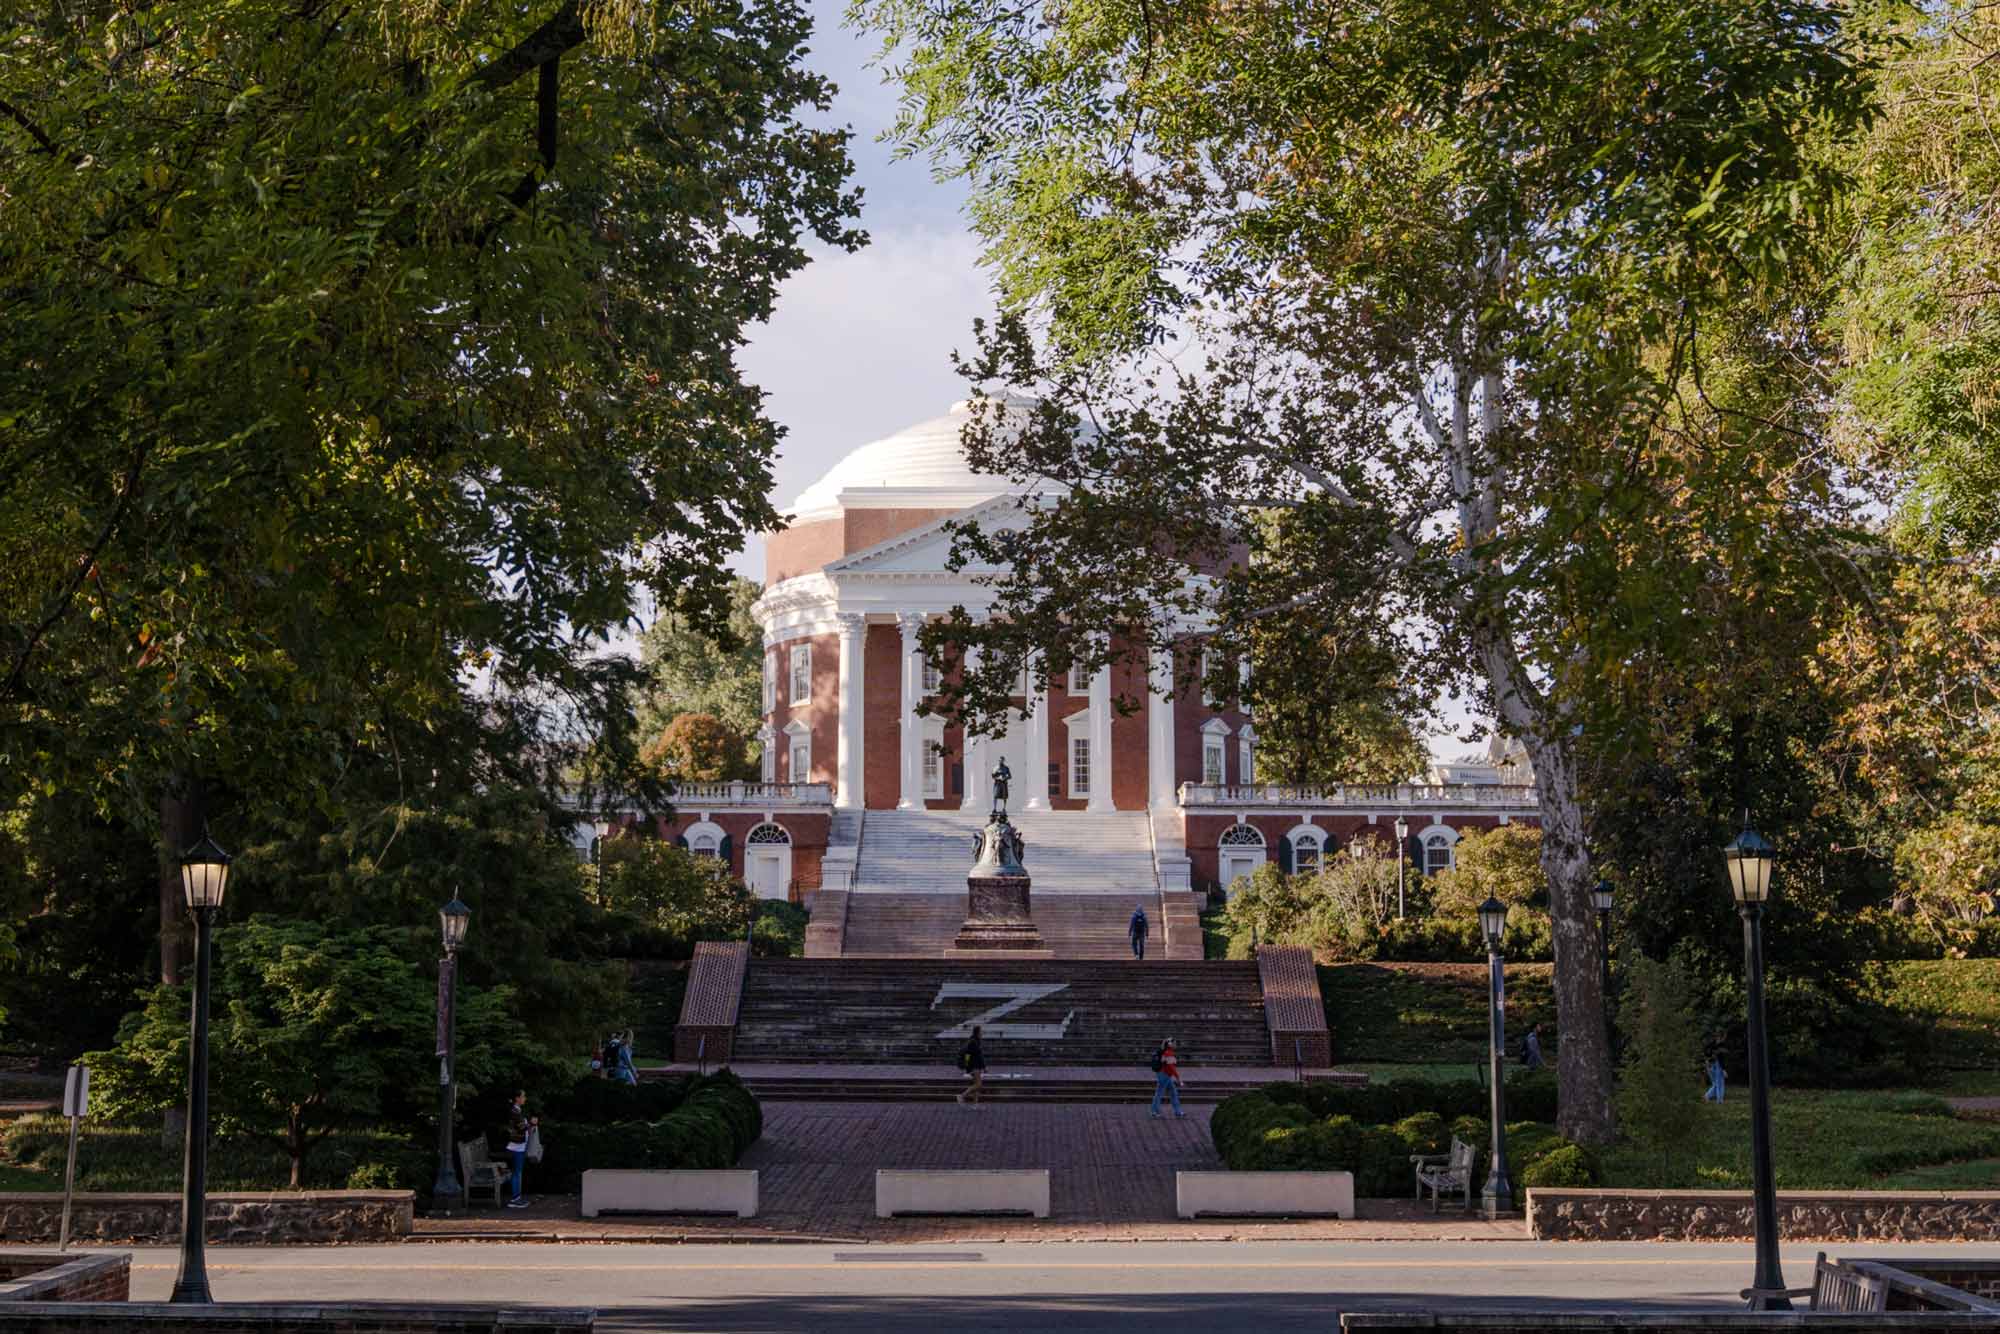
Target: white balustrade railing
(1503, 796)
(751, 794)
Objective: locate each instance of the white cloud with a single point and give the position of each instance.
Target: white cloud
(860, 346)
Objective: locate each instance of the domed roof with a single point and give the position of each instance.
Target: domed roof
(924, 457)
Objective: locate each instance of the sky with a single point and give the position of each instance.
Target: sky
(860, 344)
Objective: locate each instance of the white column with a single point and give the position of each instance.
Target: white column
(849, 772)
(1100, 741)
(1035, 782)
(1160, 729)
(912, 795)
(978, 763)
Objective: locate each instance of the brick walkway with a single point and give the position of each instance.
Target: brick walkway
(1111, 1179)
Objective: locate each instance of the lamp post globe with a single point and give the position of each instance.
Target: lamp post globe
(204, 879)
(1498, 1195)
(447, 1190)
(1749, 859)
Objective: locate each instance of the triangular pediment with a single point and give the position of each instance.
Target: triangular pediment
(927, 550)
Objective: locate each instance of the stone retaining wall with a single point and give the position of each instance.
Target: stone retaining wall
(238, 1217)
(1662, 1322)
(155, 1317)
(1803, 1215)
(56, 1277)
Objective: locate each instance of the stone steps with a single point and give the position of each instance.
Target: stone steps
(1075, 926)
(1068, 852)
(1100, 1012)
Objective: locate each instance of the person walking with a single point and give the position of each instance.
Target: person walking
(1138, 929)
(1715, 1078)
(1531, 1048)
(972, 1060)
(1166, 1078)
(519, 1123)
(628, 1071)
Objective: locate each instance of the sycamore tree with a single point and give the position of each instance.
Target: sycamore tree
(354, 353)
(1434, 279)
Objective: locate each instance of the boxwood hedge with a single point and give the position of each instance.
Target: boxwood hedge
(690, 1123)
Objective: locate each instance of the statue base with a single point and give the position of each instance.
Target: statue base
(999, 921)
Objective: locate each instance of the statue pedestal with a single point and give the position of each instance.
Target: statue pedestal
(998, 922)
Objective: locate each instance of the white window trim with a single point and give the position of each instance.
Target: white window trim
(1213, 734)
(1450, 839)
(1207, 666)
(701, 829)
(932, 764)
(1246, 755)
(770, 682)
(1319, 839)
(1082, 789)
(801, 673)
(1075, 681)
(931, 677)
(767, 741)
(798, 737)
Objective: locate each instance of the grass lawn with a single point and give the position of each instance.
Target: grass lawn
(1428, 1013)
(1960, 1001)
(1827, 1140)
(114, 1158)
(1435, 1072)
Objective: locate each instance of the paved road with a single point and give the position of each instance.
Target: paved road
(1074, 1288)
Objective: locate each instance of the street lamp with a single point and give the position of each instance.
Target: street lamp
(204, 878)
(453, 918)
(1498, 1196)
(1600, 899)
(1402, 855)
(1749, 859)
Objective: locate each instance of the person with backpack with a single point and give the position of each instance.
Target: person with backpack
(519, 1127)
(1531, 1049)
(1138, 929)
(1166, 1078)
(972, 1062)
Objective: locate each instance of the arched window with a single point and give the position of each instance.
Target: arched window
(1438, 852)
(1307, 846)
(1241, 836)
(704, 845)
(769, 833)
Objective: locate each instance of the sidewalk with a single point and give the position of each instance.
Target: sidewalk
(1111, 1179)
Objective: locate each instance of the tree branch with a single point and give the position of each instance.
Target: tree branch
(562, 33)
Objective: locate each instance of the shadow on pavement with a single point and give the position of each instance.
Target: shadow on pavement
(1034, 1313)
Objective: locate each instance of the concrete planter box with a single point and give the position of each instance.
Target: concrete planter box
(628, 1191)
(1245, 1194)
(962, 1192)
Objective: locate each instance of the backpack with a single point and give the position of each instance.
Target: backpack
(1159, 1060)
(965, 1058)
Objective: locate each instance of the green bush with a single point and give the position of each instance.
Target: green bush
(1564, 1165)
(1531, 1096)
(1425, 1132)
(377, 1176)
(712, 1121)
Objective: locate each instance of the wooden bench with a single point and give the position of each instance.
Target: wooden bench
(1835, 1287)
(478, 1170)
(1445, 1173)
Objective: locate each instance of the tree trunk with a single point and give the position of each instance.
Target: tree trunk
(1583, 1055)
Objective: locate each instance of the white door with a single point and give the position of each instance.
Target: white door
(1237, 863)
(767, 873)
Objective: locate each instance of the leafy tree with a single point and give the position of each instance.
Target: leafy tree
(311, 1030)
(1450, 268)
(717, 670)
(698, 747)
(352, 351)
(1919, 310)
(1504, 863)
(1657, 1102)
(670, 888)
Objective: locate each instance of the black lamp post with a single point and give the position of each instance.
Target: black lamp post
(1600, 899)
(1402, 855)
(1749, 859)
(204, 877)
(1498, 1196)
(446, 1191)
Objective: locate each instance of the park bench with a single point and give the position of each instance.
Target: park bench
(481, 1171)
(1835, 1287)
(1445, 1172)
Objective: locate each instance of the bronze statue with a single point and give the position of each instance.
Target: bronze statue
(1002, 776)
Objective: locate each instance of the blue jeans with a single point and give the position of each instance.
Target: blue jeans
(517, 1157)
(1138, 944)
(1714, 1093)
(1166, 1086)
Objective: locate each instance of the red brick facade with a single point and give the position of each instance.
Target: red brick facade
(1205, 829)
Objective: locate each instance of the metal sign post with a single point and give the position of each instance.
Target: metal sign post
(76, 1106)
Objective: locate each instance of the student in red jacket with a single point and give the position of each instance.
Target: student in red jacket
(1167, 1080)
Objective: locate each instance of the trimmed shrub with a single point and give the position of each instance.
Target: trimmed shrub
(712, 1121)
(1564, 1165)
(1425, 1132)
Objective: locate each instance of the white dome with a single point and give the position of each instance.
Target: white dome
(924, 457)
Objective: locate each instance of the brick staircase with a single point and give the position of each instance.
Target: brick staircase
(1105, 1013)
(1069, 852)
(1075, 926)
